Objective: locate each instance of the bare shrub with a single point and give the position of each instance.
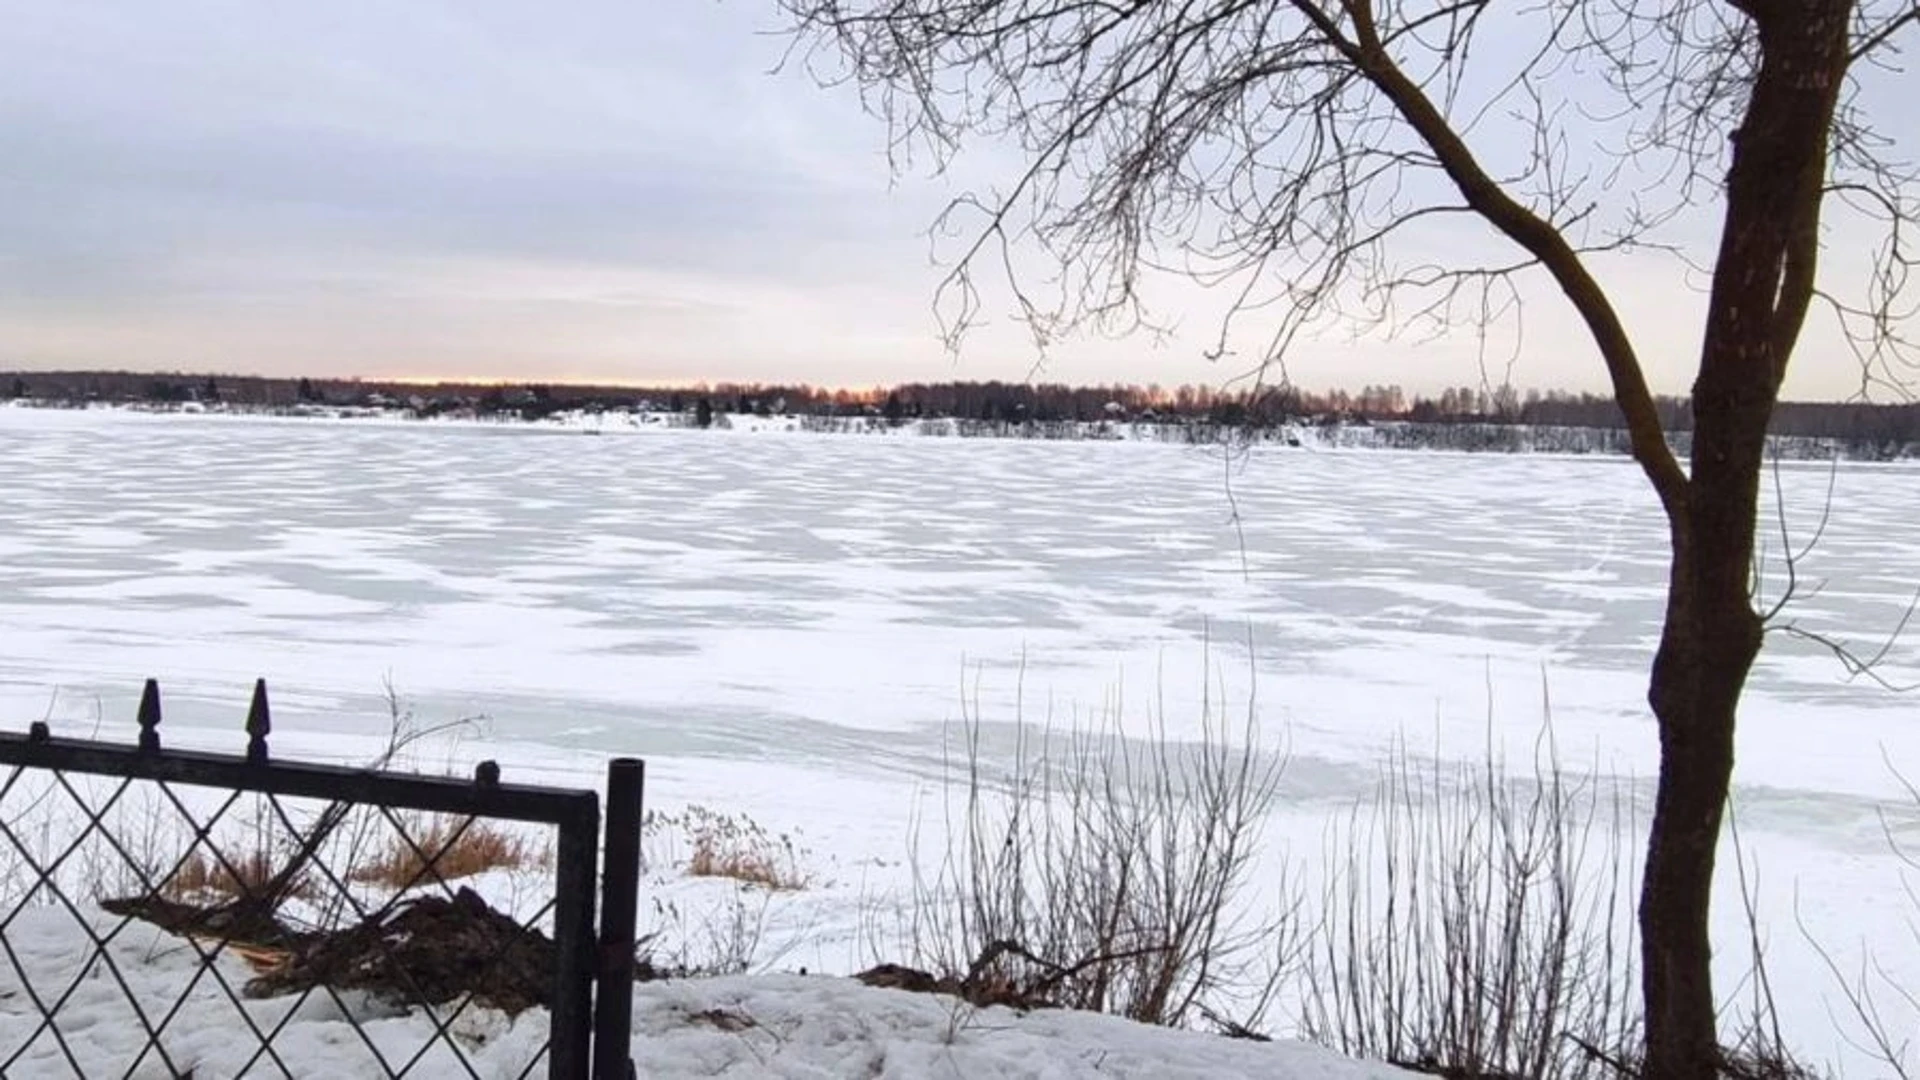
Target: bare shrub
(1480, 925)
(1756, 1053)
(1881, 1007)
(724, 940)
(440, 848)
(1765, 1059)
(357, 836)
(1757, 1050)
(1094, 871)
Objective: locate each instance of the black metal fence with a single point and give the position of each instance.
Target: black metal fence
(150, 923)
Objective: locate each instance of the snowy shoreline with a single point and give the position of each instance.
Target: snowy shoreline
(1401, 436)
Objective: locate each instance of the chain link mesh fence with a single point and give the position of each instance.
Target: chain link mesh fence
(174, 914)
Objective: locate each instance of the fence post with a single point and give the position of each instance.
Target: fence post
(619, 903)
(570, 1049)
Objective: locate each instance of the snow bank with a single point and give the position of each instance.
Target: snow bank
(143, 980)
(764, 1026)
(801, 1026)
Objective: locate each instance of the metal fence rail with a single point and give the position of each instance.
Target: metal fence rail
(83, 786)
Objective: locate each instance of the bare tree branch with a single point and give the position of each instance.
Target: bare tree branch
(1880, 35)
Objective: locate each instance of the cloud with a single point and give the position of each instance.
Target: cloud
(594, 190)
(206, 162)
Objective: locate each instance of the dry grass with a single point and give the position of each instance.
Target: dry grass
(735, 846)
(440, 848)
(228, 876)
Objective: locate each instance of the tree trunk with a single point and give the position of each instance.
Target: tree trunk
(1763, 280)
(1711, 637)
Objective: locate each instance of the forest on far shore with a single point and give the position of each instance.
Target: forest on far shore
(1867, 428)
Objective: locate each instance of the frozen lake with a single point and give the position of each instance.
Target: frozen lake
(827, 598)
(783, 623)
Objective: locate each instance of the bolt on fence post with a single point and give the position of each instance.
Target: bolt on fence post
(619, 903)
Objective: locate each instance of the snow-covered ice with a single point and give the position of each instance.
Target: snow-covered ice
(782, 624)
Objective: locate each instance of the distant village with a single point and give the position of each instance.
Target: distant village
(1463, 418)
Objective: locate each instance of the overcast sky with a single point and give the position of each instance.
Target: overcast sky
(501, 189)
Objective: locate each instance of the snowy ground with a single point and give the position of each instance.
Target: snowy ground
(782, 624)
(793, 1026)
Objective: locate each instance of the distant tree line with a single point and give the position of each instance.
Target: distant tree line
(1865, 429)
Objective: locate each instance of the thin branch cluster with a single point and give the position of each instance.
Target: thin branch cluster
(1249, 145)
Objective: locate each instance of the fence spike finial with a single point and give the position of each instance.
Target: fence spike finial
(150, 718)
(259, 723)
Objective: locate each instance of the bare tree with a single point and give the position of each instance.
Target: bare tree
(1308, 156)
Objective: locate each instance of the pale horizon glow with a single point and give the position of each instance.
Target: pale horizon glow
(606, 194)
